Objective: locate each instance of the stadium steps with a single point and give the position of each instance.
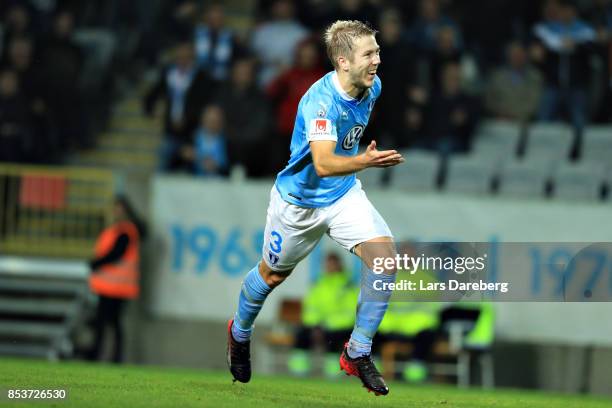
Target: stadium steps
(29, 350)
(37, 330)
(130, 107)
(41, 307)
(40, 287)
(131, 143)
(139, 123)
(127, 160)
(34, 339)
(42, 303)
(118, 140)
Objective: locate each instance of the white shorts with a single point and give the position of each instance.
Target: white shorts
(292, 232)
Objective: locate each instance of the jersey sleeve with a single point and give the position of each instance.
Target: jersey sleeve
(319, 118)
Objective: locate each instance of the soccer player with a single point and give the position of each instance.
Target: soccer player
(318, 193)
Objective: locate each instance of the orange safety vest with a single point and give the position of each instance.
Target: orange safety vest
(119, 279)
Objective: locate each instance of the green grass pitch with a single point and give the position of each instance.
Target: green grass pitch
(101, 385)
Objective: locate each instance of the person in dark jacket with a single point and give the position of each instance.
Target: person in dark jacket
(15, 119)
(248, 122)
(62, 60)
(185, 90)
(563, 49)
(451, 116)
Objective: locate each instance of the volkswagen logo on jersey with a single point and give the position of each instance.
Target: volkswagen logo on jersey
(352, 137)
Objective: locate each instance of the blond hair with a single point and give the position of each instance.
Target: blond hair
(340, 38)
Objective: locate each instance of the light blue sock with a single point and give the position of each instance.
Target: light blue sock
(371, 307)
(253, 293)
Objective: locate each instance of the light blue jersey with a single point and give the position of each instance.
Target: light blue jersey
(325, 112)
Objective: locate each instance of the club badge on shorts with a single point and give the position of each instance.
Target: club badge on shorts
(273, 258)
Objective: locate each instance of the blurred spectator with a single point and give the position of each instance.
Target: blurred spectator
(15, 118)
(215, 44)
(328, 316)
(173, 22)
(486, 25)
(288, 88)
(185, 90)
(19, 57)
(178, 20)
(274, 42)
(399, 73)
(313, 14)
(446, 50)
(514, 90)
(354, 10)
(452, 115)
(209, 152)
(62, 62)
(563, 50)
(601, 18)
(115, 275)
(413, 120)
(17, 23)
(247, 114)
(424, 31)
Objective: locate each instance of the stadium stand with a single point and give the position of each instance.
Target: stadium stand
(471, 174)
(371, 178)
(131, 143)
(525, 178)
(579, 181)
(597, 144)
(549, 141)
(420, 171)
(497, 138)
(42, 302)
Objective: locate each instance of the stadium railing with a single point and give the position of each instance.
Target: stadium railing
(53, 211)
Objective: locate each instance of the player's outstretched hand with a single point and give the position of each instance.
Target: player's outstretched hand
(381, 158)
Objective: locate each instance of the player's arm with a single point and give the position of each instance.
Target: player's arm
(327, 163)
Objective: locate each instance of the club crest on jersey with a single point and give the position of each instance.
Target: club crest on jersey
(322, 111)
(352, 137)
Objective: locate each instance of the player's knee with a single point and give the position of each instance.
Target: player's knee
(272, 278)
(389, 252)
(380, 254)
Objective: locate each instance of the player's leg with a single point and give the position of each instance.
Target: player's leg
(356, 358)
(357, 226)
(255, 288)
(374, 297)
(291, 233)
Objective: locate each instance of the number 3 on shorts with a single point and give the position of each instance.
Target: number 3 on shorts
(276, 241)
